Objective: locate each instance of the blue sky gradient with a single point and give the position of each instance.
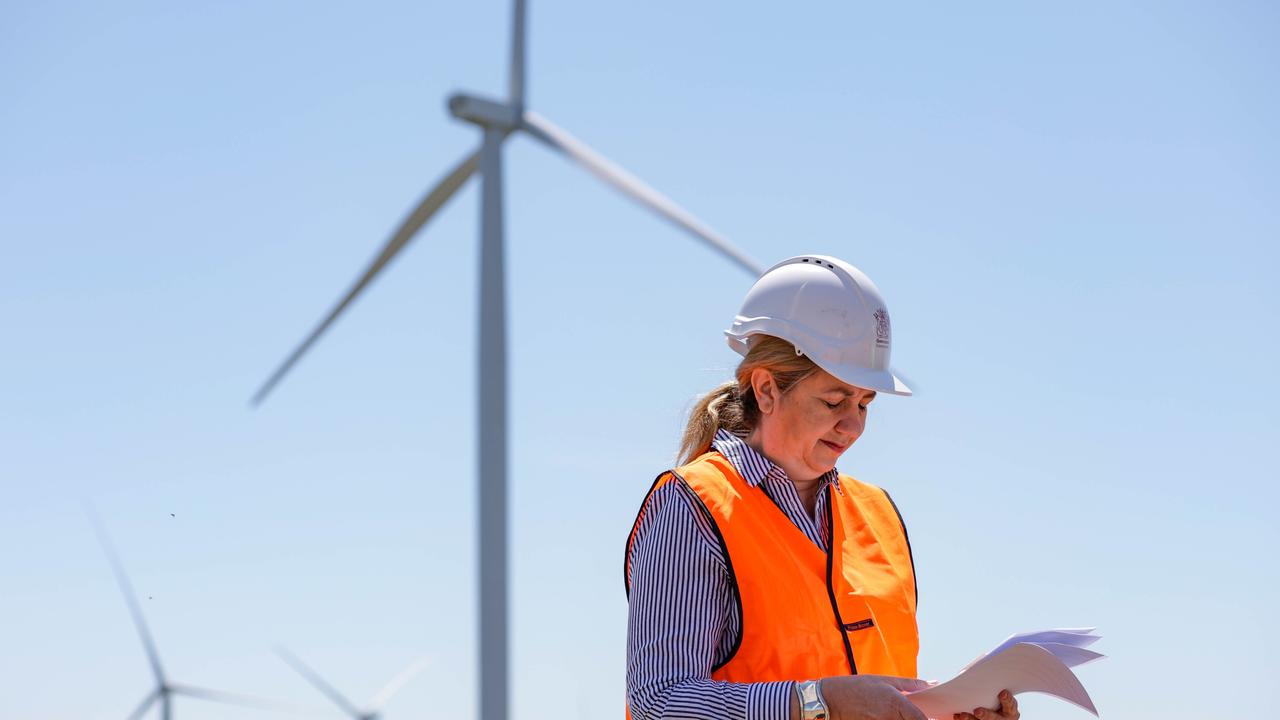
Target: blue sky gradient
(1070, 208)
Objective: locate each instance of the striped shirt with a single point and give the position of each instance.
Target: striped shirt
(682, 616)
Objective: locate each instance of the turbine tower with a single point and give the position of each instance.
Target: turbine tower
(165, 689)
(497, 120)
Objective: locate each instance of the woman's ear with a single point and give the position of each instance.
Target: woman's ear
(766, 390)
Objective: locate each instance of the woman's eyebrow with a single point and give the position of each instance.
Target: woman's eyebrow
(846, 393)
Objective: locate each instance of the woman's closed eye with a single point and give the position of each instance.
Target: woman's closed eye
(838, 405)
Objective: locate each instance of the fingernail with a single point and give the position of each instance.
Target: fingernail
(1004, 695)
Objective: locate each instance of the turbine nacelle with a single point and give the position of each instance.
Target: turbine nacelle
(485, 112)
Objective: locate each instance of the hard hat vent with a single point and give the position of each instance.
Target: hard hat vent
(817, 261)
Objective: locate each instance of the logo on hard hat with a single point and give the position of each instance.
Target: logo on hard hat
(882, 327)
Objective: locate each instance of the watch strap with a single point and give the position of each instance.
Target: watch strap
(812, 705)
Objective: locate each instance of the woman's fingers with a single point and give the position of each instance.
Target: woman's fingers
(1008, 710)
(1009, 705)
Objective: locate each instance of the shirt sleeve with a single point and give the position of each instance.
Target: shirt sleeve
(682, 619)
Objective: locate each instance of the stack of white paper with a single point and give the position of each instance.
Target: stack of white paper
(1027, 662)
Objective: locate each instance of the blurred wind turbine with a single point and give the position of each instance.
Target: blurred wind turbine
(372, 709)
(166, 689)
(497, 120)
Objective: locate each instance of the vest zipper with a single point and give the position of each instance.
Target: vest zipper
(831, 593)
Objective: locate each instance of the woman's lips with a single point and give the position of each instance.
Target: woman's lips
(834, 447)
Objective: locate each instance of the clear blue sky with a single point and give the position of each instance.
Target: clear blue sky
(1071, 209)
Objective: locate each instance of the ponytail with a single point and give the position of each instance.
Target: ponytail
(720, 408)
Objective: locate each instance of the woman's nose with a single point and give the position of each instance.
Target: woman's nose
(850, 424)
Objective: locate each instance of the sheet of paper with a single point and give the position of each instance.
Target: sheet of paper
(1079, 637)
(1075, 637)
(1020, 667)
(1070, 655)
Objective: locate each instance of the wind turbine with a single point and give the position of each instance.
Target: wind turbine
(497, 120)
(373, 709)
(165, 689)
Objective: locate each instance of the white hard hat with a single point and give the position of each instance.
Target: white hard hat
(829, 311)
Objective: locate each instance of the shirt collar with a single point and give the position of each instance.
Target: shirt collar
(754, 467)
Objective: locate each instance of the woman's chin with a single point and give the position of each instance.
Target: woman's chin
(823, 465)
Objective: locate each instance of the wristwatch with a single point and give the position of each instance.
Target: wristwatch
(812, 704)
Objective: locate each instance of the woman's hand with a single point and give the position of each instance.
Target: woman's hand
(1008, 710)
(871, 697)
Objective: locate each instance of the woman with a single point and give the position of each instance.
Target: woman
(763, 584)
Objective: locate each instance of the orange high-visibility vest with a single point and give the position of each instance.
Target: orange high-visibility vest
(807, 614)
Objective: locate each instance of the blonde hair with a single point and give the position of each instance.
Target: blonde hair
(732, 405)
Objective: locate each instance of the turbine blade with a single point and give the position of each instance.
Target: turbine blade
(606, 170)
(517, 55)
(230, 698)
(556, 137)
(145, 706)
(135, 610)
(433, 201)
(319, 683)
(394, 684)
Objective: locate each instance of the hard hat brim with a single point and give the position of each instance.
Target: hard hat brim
(881, 381)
